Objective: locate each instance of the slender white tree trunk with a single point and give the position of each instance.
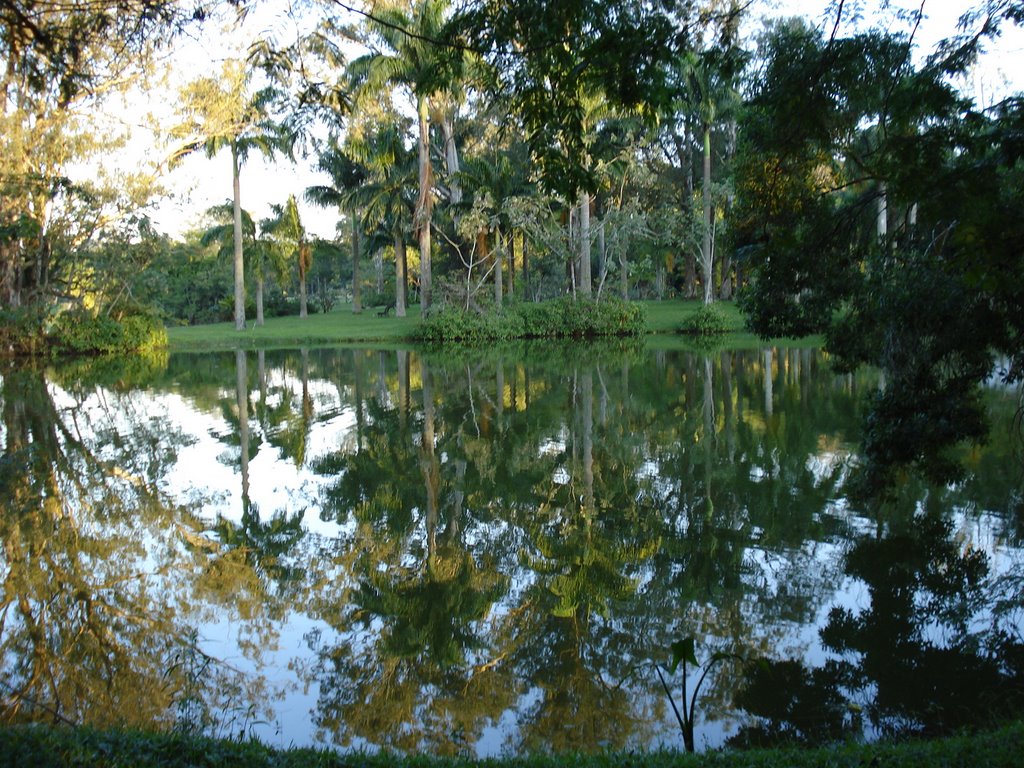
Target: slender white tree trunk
(882, 220)
(707, 245)
(451, 157)
(259, 300)
(357, 300)
(399, 274)
(585, 276)
(499, 273)
(423, 205)
(239, 257)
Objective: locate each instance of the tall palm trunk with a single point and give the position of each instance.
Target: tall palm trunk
(305, 261)
(585, 272)
(423, 204)
(707, 252)
(259, 299)
(400, 278)
(239, 258)
(499, 277)
(357, 300)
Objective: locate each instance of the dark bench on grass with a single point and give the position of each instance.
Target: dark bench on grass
(385, 310)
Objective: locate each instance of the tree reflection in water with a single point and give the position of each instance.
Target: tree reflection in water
(486, 551)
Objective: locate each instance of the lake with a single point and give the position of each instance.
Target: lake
(493, 552)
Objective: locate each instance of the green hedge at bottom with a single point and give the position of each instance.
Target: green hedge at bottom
(59, 747)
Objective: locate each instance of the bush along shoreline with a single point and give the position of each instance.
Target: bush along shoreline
(560, 318)
(45, 746)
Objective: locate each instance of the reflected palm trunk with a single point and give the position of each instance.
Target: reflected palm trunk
(428, 461)
(727, 406)
(708, 412)
(768, 396)
(357, 388)
(403, 386)
(382, 379)
(242, 393)
(587, 397)
(499, 385)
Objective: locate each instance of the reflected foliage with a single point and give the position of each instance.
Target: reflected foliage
(490, 550)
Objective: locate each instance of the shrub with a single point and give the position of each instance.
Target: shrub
(21, 331)
(706, 321)
(564, 317)
(80, 333)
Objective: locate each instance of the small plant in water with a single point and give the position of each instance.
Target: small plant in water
(684, 652)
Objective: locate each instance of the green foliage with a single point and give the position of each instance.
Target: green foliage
(565, 317)
(79, 332)
(709, 320)
(877, 207)
(58, 747)
(21, 331)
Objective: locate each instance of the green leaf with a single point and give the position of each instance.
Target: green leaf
(683, 650)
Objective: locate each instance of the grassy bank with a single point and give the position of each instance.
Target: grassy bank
(340, 326)
(56, 747)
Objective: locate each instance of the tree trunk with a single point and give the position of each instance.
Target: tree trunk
(242, 399)
(882, 220)
(239, 258)
(510, 249)
(303, 303)
(624, 276)
(585, 275)
(726, 290)
(526, 267)
(259, 299)
(451, 157)
(707, 245)
(423, 204)
(357, 299)
(400, 277)
(499, 273)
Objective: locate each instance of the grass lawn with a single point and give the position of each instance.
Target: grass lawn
(340, 327)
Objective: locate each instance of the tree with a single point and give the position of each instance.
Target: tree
(385, 196)
(285, 228)
(60, 59)
(346, 176)
(935, 298)
(546, 58)
(222, 233)
(218, 113)
(412, 58)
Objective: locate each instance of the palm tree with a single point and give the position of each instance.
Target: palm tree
(411, 58)
(711, 94)
(285, 228)
(500, 179)
(384, 197)
(222, 233)
(221, 113)
(346, 176)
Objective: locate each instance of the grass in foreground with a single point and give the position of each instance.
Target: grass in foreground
(340, 326)
(57, 747)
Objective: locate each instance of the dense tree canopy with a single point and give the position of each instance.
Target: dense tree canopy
(838, 181)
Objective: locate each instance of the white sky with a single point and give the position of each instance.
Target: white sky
(199, 183)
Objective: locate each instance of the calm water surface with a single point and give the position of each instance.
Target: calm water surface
(489, 552)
